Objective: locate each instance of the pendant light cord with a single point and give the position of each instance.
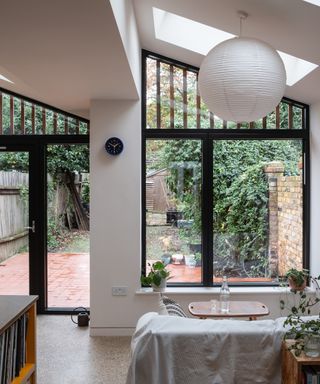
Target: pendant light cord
(242, 16)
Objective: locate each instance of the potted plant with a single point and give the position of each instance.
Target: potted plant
(303, 330)
(190, 260)
(198, 259)
(297, 279)
(157, 277)
(166, 258)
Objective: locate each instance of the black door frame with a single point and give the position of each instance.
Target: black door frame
(36, 146)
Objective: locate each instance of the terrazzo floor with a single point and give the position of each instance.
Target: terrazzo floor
(68, 355)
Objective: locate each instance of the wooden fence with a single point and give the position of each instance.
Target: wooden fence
(13, 213)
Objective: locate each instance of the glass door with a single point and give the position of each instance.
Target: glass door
(16, 228)
(68, 185)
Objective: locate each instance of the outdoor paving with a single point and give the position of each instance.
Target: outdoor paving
(68, 278)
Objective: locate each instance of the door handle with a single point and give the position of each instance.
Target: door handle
(33, 228)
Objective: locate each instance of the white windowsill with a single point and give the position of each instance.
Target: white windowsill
(216, 290)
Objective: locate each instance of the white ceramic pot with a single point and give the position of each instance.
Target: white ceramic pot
(161, 287)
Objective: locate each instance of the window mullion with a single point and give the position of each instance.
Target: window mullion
(207, 211)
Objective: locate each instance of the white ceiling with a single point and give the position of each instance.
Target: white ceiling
(291, 26)
(67, 52)
(63, 52)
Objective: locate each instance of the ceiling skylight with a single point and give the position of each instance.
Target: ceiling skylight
(200, 38)
(186, 33)
(5, 79)
(315, 2)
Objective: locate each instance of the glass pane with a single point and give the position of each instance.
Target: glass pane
(14, 218)
(204, 116)
(153, 105)
(6, 114)
(68, 225)
(28, 118)
(297, 117)
(165, 95)
(178, 97)
(49, 122)
(173, 211)
(257, 208)
(192, 100)
(151, 94)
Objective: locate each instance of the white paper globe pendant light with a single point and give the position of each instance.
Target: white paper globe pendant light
(242, 79)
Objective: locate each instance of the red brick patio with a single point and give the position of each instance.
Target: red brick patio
(68, 278)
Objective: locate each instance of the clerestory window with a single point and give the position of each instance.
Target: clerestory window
(220, 198)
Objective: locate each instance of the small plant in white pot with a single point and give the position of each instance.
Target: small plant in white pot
(157, 277)
(297, 279)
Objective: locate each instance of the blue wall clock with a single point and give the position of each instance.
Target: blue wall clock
(114, 146)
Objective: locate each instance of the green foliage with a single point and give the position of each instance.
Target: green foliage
(297, 276)
(240, 196)
(24, 195)
(183, 160)
(38, 119)
(55, 234)
(63, 158)
(157, 273)
(60, 158)
(300, 327)
(240, 191)
(18, 161)
(85, 192)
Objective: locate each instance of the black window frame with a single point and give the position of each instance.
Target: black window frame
(207, 137)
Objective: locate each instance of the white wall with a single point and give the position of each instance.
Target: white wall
(114, 211)
(315, 190)
(127, 26)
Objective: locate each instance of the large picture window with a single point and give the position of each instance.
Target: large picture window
(220, 198)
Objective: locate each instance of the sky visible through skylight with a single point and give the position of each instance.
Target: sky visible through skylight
(5, 78)
(200, 38)
(315, 2)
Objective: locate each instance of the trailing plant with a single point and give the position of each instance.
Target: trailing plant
(300, 328)
(157, 273)
(298, 277)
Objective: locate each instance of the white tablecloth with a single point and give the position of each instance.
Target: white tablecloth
(174, 350)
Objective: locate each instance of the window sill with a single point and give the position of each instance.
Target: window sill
(216, 290)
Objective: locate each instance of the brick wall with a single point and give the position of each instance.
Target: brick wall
(285, 219)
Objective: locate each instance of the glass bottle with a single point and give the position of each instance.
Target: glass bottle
(224, 296)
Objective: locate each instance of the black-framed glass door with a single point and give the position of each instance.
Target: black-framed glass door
(28, 162)
(18, 220)
(67, 220)
(27, 128)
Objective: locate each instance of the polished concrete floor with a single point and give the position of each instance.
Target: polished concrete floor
(68, 355)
